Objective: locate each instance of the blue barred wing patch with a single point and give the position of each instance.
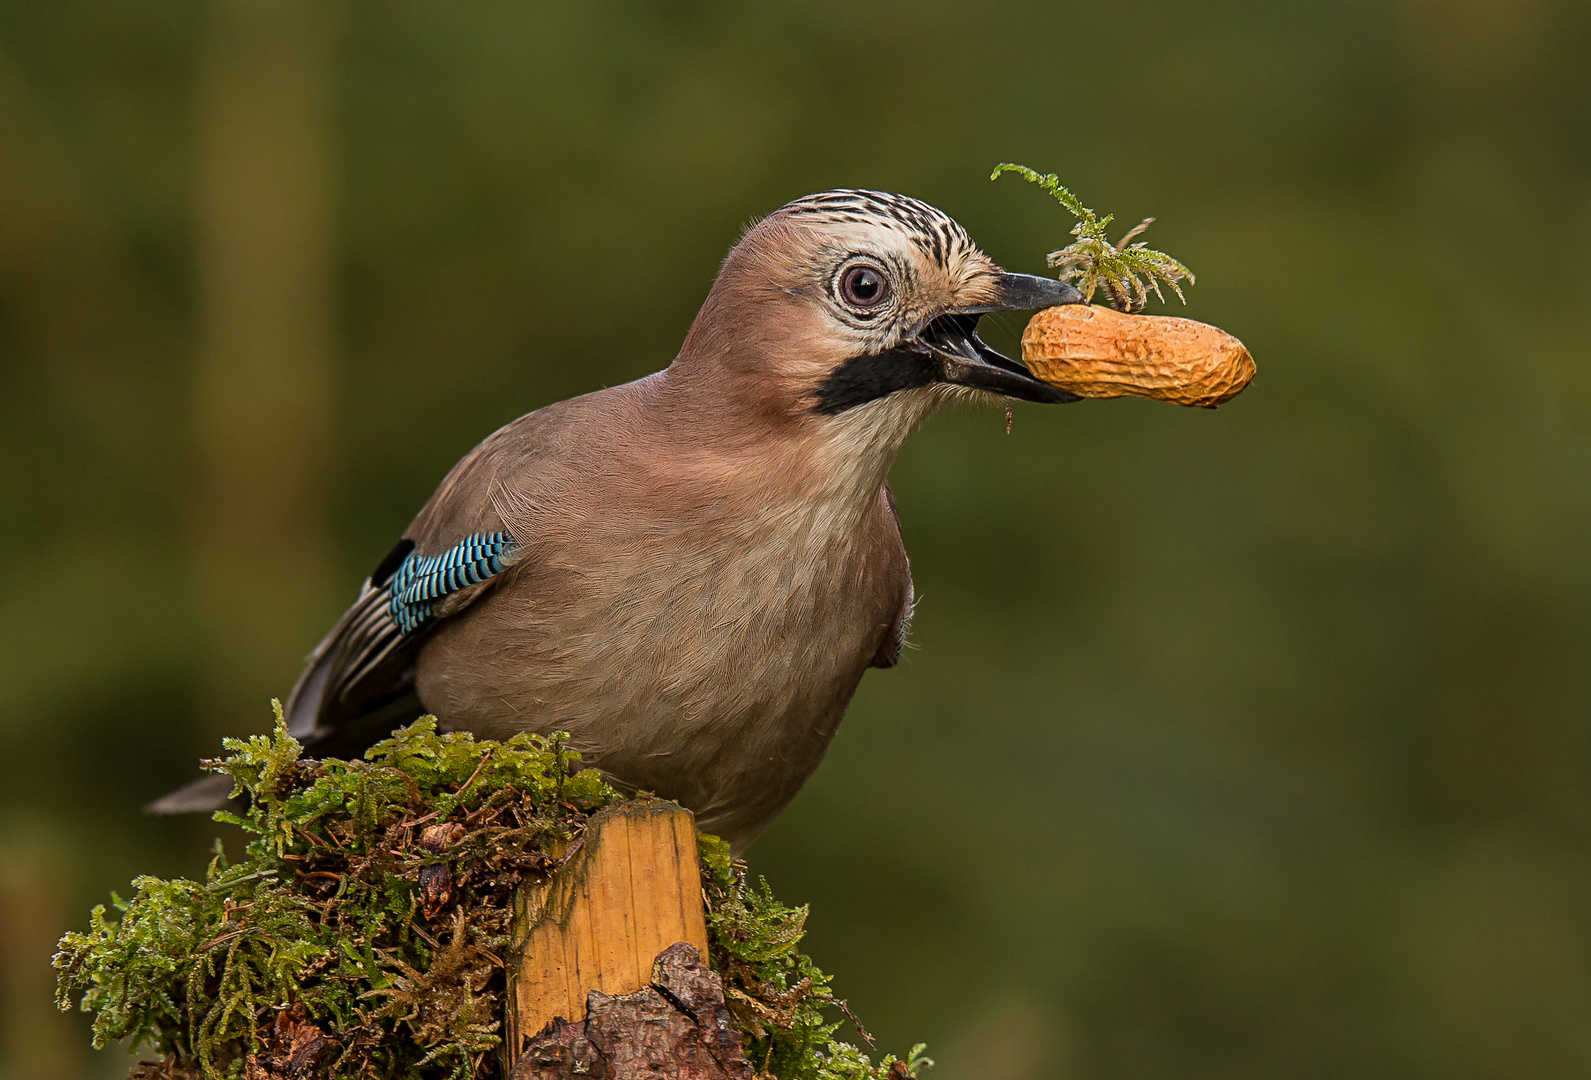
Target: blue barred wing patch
(423, 579)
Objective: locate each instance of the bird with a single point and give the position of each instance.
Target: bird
(690, 573)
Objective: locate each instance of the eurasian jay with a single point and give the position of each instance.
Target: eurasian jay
(689, 573)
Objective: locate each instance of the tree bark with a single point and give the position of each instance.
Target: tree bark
(677, 1028)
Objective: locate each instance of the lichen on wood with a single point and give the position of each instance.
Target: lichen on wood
(365, 932)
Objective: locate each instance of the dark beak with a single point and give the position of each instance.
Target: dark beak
(1026, 292)
(963, 359)
(966, 361)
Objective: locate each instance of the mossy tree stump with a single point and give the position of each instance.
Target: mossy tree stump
(370, 929)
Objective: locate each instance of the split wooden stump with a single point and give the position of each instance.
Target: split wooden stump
(610, 980)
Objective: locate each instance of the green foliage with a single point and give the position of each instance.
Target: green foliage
(339, 910)
(365, 928)
(1127, 270)
(775, 992)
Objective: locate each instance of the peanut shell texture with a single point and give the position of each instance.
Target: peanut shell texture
(1100, 353)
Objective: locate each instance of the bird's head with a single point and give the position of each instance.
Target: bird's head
(856, 309)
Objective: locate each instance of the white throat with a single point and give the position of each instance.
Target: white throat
(858, 446)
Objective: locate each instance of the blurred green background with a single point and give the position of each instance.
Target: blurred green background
(1238, 744)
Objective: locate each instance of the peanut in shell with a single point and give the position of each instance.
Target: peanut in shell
(1100, 353)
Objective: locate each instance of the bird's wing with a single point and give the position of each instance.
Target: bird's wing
(359, 681)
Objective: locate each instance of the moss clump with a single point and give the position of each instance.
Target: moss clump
(776, 993)
(364, 932)
(1127, 271)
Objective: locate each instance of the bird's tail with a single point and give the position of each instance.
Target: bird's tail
(205, 793)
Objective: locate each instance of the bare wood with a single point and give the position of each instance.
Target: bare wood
(631, 890)
(1097, 352)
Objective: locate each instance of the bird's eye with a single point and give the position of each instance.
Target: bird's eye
(863, 286)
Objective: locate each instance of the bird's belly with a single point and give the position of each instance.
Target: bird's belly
(720, 690)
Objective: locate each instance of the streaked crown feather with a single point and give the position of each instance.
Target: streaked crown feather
(934, 232)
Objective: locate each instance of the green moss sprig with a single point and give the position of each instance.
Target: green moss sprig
(1127, 270)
